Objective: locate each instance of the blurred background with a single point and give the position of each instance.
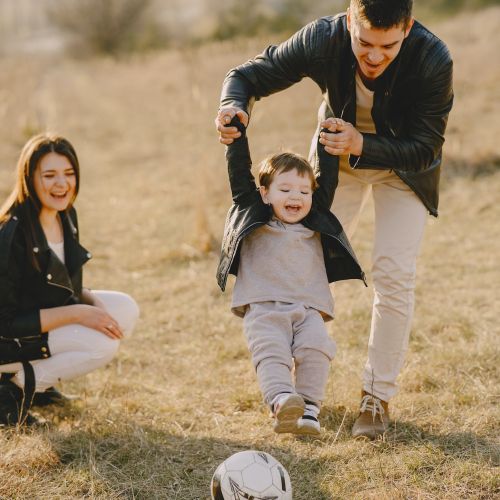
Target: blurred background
(126, 79)
(113, 26)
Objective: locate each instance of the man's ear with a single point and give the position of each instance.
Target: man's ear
(408, 28)
(348, 18)
(263, 194)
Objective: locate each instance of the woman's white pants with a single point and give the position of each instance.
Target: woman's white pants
(76, 349)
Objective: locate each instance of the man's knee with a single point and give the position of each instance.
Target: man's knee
(390, 276)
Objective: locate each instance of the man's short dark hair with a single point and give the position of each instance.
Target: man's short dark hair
(383, 14)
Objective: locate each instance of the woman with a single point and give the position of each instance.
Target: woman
(51, 328)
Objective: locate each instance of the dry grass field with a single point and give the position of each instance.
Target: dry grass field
(182, 396)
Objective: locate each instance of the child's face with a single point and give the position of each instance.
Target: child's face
(290, 196)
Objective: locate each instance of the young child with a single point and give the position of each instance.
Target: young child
(285, 246)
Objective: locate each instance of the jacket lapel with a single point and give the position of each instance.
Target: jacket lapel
(75, 254)
(56, 272)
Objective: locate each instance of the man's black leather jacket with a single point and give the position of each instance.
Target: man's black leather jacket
(249, 212)
(411, 102)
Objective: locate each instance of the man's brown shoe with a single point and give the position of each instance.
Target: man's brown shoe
(373, 418)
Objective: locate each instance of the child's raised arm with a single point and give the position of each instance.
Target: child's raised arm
(326, 168)
(239, 166)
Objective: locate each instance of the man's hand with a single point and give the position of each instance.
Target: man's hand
(343, 140)
(224, 116)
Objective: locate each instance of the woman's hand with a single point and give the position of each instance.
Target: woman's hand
(97, 318)
(91, 316)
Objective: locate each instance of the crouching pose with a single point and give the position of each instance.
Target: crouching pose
(285, 246)
(51, 328)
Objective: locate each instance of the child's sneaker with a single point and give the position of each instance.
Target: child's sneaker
(308, 423)
(287, 409)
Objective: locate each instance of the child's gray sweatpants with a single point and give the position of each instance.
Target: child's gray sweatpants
(279, 333)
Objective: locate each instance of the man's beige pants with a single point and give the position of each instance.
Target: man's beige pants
(400, 219)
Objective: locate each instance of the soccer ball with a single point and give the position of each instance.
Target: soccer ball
(251, 475)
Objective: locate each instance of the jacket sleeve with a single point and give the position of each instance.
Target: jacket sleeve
(420, 144)
(277, 68)
(326, 169)
(13, 323)
(239, 166)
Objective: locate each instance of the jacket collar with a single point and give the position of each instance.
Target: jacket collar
(76, 255)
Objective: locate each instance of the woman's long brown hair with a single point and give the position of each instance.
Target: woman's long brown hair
(23, 196)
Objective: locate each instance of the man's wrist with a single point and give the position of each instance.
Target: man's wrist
(358, 146)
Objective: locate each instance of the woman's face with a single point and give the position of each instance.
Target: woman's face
(54, 182)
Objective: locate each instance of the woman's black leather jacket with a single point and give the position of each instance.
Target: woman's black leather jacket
(248, 212)
(412, 98)
(24, 289)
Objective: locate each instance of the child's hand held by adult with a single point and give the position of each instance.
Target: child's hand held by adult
(344, 138)
(223, 118)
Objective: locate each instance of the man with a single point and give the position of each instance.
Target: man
(387, 88)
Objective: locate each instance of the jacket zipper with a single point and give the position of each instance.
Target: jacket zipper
(61, 286)
(351, 83)
(345, 106)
